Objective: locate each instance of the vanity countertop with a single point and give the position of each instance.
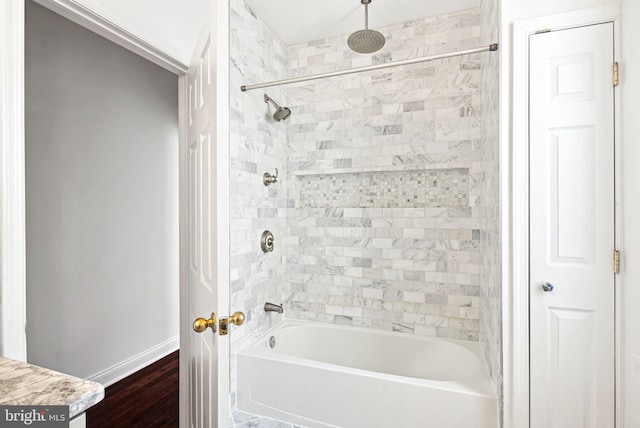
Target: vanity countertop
(29, 385)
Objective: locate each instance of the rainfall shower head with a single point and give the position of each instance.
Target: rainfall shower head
(282, 113)
(366, 41)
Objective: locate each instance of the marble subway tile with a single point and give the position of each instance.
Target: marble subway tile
(383, 183)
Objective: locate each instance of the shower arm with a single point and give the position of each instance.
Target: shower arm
(366, 16)
(490, 48)
(366, 13)
(267, 99)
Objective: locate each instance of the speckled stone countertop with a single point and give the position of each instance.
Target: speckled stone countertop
(26, 384)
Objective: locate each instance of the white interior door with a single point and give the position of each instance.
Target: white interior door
(572, 228)
(206, 230)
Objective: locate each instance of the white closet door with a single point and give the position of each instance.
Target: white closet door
(572, 228)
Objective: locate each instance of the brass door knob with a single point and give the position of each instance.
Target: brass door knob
(202, 324)
(237, 318)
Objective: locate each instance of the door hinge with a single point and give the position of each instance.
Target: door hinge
(616, 261)
(615, 73)
(546, 30)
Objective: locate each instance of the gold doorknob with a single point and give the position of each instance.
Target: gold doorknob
(237, 318)
(202, 324)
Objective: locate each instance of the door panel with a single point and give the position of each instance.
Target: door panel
(571, 345)
(572, 228)
(571, 238)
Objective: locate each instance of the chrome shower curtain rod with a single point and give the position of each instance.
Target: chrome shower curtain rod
(490, 48)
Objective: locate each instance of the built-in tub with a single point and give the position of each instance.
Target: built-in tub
(323, 375)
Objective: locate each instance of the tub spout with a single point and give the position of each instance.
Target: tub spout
(272, 307)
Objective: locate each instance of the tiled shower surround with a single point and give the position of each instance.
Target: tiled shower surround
(384, 172)
(378, 213)
(491, 284)
(257, 145)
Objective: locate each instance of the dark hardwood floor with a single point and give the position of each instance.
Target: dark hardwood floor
(146, 399)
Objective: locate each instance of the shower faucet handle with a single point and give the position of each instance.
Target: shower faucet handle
(267, 241)
(269, 179)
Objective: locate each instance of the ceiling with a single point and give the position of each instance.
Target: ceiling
(174, 25)
(296, 21)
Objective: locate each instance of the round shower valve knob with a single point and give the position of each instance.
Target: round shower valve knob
(267, 241)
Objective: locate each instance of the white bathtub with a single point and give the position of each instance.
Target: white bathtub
(322, 375)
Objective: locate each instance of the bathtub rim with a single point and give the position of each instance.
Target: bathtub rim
(478, 385)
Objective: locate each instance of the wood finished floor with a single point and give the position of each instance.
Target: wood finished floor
(146, 399)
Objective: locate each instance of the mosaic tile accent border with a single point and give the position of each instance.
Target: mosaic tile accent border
(386, 189)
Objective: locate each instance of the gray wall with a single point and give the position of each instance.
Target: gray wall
(102, 199)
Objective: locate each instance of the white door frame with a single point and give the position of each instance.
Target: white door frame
(516, 310)
(13, 310)
(12, 133)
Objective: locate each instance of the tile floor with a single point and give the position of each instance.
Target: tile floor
(247, 420)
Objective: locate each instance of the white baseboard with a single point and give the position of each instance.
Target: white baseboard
(121, 370)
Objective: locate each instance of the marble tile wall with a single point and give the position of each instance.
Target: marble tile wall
(257, 145)
(490, 242)
(383, 262)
